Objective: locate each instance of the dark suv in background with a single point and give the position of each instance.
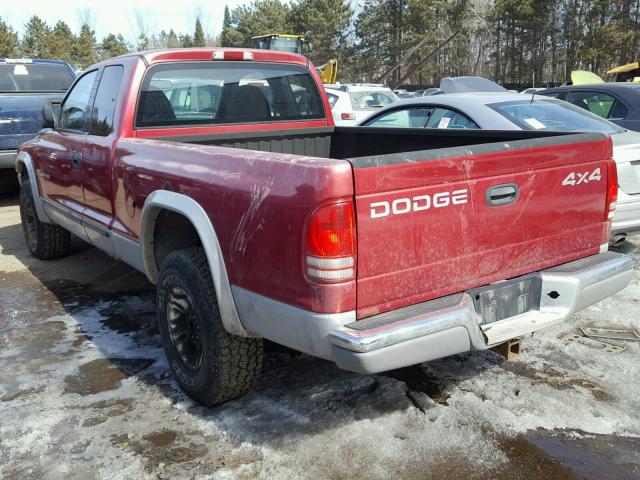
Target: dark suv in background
(617, 102)
(26, 85)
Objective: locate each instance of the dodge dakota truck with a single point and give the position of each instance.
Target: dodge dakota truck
(26, 85)
(219, 174)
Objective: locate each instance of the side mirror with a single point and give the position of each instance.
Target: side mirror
(49, 115)
(309, 46)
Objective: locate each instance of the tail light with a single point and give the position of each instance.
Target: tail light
(612, 189)
(331, 244)
(347, 116)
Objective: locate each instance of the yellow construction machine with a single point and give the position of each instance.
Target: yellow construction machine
(295, 44)
(627, 73)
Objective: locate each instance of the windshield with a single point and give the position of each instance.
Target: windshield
(33, 77)
(371, 100)
(553, 115)
(285, 44)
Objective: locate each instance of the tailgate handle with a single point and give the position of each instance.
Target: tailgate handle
(500, 195)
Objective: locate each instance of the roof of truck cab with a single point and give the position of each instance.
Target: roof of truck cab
(206, 54)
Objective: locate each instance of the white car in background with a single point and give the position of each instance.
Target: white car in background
(352, 102)
(516, 111)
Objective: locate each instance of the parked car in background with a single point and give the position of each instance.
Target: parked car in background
(515, 111)
(402, 93)
(617, 102)
(26, 86)
(352, 102)
(431, 91)
(531, 90)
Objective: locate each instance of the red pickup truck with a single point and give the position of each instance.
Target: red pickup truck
(219, 174)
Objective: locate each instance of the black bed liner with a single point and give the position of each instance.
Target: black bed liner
(364, 145)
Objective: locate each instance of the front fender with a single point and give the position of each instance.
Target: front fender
(24, 163)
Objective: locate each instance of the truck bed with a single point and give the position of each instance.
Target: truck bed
(447, 243)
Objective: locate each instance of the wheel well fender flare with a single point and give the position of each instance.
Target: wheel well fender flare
(24, 162)
(161, 200)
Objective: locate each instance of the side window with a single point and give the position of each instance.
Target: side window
(602, 104)
(406, 118)
(332, 99)
(105, 102)
(445, 118)
(74, 110)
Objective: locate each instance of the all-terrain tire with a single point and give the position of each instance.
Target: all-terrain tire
(45, 241)
(188, 313)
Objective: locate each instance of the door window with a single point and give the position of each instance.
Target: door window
(602, 104)
(105, 103)
(74, 110)
(404, 118)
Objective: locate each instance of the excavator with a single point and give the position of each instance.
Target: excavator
(295, 44)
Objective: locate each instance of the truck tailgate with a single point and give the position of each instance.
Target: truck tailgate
(437, 222)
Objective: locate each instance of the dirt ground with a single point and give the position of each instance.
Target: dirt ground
(85, 393)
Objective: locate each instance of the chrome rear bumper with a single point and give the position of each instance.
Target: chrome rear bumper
(451, 325)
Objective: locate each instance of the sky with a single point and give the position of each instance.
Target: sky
(119, 16)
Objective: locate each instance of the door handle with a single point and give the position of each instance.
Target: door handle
(76, 158)
(500, 195)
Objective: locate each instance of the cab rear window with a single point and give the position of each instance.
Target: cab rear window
(201, 93)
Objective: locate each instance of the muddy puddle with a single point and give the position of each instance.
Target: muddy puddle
(103, 374)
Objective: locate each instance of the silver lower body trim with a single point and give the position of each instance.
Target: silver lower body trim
(287, 325)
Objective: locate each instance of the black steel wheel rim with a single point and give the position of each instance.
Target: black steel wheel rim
(184, 328)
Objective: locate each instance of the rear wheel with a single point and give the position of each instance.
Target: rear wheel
(45, 241)
(211, 365)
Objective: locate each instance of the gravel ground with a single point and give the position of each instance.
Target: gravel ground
(85, 392)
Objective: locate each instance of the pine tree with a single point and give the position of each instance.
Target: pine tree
(8, 40)
(186, 41)
(84, 53)
(112, 46)
(143, 43)
(34, 41)
(326, 22)
(229, 37)
(61, 42)
(198, 36)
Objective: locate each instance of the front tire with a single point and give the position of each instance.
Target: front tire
(45, 241)
(210, 364)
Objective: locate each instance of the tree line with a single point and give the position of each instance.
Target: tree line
(514, 42)
(40, 40)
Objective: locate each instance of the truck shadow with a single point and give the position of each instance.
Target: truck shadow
(112, 308)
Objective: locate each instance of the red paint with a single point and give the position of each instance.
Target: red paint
(260, 204)
(417, 256)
